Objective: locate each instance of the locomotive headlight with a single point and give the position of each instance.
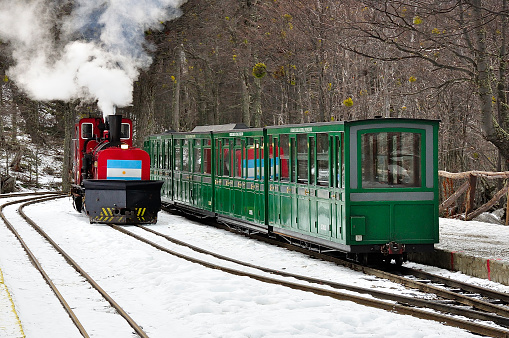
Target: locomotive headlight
(124, 146)
(358, 238)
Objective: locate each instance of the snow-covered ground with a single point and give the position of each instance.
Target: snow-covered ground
(170, 297)
(475, 238)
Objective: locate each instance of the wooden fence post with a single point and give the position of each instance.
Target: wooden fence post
(472, 182)
(507, 210)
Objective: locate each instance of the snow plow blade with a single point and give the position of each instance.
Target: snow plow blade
(122, 202)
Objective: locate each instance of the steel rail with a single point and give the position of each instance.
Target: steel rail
(82, 272)
(504, 297)
(441, 292)
(378, 294)
(23, 194)
(394, 307)
(38, 266)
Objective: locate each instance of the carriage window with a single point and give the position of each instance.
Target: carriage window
(322, 158)
(87, 130)
(277, 160)
(207, 161)
(197, 156)
(178, 157)
(257, 160)
(260, 162)
(284, 144)
(248, 161)
(293, 156)
(125, 131)
(272, 163)
(226, 158)
(302, 158)
(163, 155)
(237, 159)
(218, 157)
(168, 152)
(340, 161)
(158, 155)
(312, 162)
(391, 159)
(185, 156)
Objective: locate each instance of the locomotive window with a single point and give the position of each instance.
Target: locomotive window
(391, 159)
(284, 143)
(322, 158)
(87, 130)
(302, 158)
(125, 131)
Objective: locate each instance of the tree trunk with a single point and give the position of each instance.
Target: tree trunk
(246, 98)
(68, 133)
(503, 108)
(493, 131)
(176, 96)
(257, 103)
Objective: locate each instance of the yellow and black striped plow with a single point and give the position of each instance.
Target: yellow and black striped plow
(114, 215)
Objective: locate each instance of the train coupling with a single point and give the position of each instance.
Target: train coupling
(392, 248)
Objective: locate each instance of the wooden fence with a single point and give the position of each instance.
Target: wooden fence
(469, 188)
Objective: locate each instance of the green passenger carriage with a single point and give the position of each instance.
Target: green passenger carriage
(368, 188)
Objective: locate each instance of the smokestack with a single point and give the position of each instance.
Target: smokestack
(115, 124)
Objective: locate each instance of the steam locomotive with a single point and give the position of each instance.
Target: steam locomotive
(111, 177)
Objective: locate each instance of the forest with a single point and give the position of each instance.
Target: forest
(271, 62)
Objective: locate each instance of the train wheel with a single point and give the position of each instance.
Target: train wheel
(77, 203)
(399, 259)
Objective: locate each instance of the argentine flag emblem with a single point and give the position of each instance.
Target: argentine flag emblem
(123, 170)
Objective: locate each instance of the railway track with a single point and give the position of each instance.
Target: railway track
(69, 303)
(444, 311)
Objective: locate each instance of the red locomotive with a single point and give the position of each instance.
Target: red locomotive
(112, 178)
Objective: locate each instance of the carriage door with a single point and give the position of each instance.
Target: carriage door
(322, 178)
(303, 177)
(338, 184)
(223, 170)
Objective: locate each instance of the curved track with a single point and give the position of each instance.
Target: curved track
(391, 302)
(40, 197)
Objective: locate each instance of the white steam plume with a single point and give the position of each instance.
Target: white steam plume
(99, 51)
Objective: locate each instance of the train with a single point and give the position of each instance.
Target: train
(366, 188)
(111, 178)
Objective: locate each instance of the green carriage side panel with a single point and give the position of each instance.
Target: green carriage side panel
(307, 192)
(192, 170)
(239, 182)
(159, 149)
